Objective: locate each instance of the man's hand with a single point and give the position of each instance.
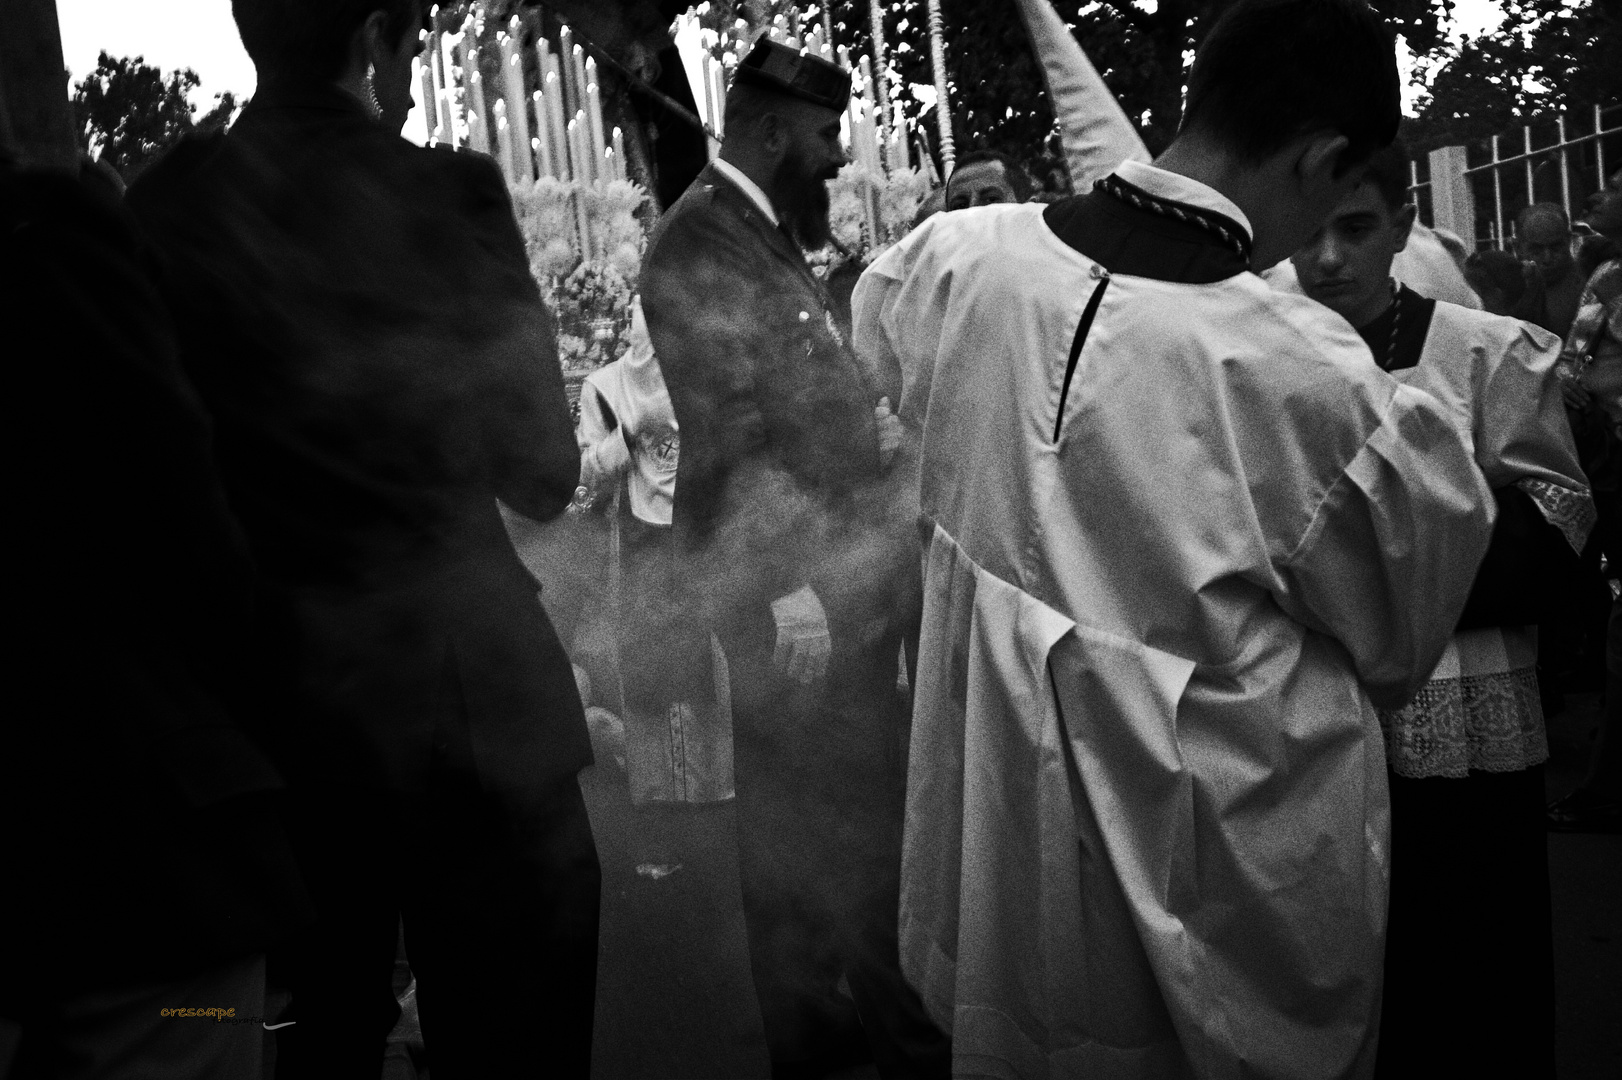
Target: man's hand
(1576, 395)
(803, 641)
(889, 431)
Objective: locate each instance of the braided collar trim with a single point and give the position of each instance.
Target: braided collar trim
(1229, 232)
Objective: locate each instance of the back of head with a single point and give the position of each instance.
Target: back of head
(1496, 270)
(1019, 181)
(1272, 70)
(1544, 213)
(309, 39)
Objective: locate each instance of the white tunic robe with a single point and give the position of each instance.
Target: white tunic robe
(1480, 711)
(1147, 809)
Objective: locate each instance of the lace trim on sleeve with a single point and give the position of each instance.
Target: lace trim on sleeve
(1484, 723)
(1571, 510)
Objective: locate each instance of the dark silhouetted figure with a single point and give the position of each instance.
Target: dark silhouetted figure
(359, 317)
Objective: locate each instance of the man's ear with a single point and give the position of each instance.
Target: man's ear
(1403, 224)
(773, 131)
(1318, 161)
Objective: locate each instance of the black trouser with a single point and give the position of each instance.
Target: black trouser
(499, 906)
(820, 798)
(1469, 979)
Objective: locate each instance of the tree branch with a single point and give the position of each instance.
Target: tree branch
(1133, 15)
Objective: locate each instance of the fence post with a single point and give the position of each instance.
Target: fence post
(1452, 205)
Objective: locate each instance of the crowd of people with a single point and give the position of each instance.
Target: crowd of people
(1124, 623)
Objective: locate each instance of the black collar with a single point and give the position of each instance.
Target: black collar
(1408, 318)
(1132, 232)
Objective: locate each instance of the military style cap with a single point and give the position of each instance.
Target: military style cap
(789, 71)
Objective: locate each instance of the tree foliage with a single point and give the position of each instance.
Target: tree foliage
(1544, 59)
(129, 113)
(1142, 51)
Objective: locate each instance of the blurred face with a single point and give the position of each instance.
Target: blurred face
(1346, 265)
(979, 183)
(1546, 241)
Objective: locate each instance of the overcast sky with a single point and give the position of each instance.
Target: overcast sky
(199, 34)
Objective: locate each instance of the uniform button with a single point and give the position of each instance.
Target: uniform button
(805, 316)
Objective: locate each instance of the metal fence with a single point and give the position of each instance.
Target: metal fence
(1476, 191)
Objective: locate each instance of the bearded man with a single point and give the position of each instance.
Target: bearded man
(786, 545)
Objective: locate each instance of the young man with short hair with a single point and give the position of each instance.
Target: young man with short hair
(1181, 532)
(1466, 755)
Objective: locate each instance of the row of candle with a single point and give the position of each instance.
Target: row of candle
(556, 130)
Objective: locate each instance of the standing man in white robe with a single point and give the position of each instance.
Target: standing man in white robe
(1181, 532)
(1097, 136)
(1470, 954)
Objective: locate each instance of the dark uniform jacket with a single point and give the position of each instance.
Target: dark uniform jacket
(359, 317)
(778, 439)
(142, 841)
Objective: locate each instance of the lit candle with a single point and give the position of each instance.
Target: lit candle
(554, 121)
(512, 61)
(571, 92)
(552, 97)
(585, 169)
(594, 113)
(582, 225)
(425, 75)
(504, 142)
(445, 55)
(542, 145)
(589, 169)
(718, 75)
(619, 155)
(709, 102)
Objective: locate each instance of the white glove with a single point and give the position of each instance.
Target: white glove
(803, 641)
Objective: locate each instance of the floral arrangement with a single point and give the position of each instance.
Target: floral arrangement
(854, 196)
(616, 232)
(593, 305)
(546, 220)
(591, 295)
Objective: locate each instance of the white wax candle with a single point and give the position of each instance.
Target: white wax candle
(554, 118)
(445, 56)
(594, 113)
(582, 223)
(512, 60)
(542, 145)
(619, 156)
(504, 142)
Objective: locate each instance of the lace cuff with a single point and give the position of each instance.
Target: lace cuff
(1571, 510)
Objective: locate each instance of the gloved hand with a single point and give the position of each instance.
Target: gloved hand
(803, 641)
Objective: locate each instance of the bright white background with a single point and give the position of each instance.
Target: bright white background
(199, 34)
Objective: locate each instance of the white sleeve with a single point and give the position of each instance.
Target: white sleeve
(1387, 561)
(1095, 132)
(603, 453)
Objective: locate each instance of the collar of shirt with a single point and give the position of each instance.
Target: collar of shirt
(1179, 188)
(749, 188)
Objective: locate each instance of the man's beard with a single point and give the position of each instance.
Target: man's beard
(807, 211)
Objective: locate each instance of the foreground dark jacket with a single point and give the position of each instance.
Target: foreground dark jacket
(779, 449)
(141, 838)
(359, 317)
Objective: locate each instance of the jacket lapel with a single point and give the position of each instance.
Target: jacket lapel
(774, 238)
